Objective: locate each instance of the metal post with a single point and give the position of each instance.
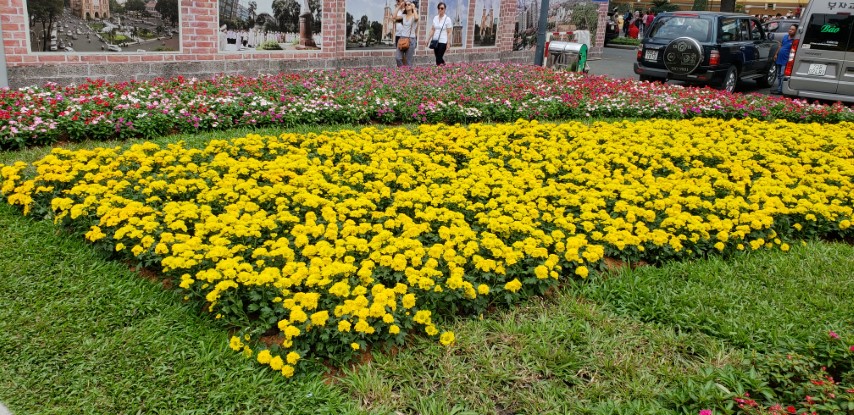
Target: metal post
(4, 79)
(541, 33)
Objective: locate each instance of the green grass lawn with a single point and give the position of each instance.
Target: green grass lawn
(86, 335)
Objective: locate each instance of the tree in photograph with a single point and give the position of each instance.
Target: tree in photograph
(46, 12)
(287, 14)
(317, 12)
(168, 9)
(135, 6)
(376, 31)
(253, 7)
(585, 16)
(363, 25)
(116, 8)
(350, 23)
(700, 5)
(728, 6)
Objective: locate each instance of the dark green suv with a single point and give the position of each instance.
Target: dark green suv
(711, 48)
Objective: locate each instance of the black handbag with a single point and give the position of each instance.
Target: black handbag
(433, 44)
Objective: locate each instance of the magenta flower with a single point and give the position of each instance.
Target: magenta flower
(833, 335)
(706, 412)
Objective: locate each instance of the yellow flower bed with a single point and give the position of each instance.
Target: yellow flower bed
(330, 242)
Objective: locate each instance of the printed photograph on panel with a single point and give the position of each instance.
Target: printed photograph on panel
(269, 25)
(370, 24)
(71, 26)
(485, 21)
(563, 16)
(458, 11)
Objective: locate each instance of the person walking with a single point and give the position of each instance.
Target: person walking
(440, 35)
(408, 29)
(782, 58)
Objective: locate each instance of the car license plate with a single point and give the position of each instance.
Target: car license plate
(817, 69)
(651, 55)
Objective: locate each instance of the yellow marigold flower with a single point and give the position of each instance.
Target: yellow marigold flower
(720, 246)
(264, 357)
(422, 317)
(344, 325)
(483, 289)
(784, 247)
(393, 329)
(276, 363)
(292, 358)
(408, 301)
(291, 332)
(287, 371)
(447, 338)
(582, 271)
(319, 318)
(235, 343)
(431, 330)
(541, 272)
(354, 345)
(297, 315)
(513, 286)
(95, 234)
(362, 326)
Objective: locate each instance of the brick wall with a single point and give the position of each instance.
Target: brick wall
(199, 55)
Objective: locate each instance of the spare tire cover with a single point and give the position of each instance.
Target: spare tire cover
(683, 55)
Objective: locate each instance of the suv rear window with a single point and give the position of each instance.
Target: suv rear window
(829, 32)
(672, 27)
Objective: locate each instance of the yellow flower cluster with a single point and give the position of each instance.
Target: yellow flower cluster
(348, 238)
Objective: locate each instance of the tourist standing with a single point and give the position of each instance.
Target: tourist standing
(440, 32)
(398, 13)
(782, 58)
(408, 29)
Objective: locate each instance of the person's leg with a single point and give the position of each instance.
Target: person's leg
(398, 56)
(778, 86)
(410, 54)
(440, 53)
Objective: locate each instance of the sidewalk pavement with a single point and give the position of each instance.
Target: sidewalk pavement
(3, 410)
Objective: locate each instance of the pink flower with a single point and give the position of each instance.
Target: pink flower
(833, 335)
(851, 348)
(706, 412)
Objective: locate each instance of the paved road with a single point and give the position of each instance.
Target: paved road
(617, 63)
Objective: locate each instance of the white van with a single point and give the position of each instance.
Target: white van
(821, 63)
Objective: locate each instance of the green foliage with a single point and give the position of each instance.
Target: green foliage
(269, 45)
(624, 41)
(585, 16)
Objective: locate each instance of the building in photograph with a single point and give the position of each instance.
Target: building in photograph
(388, 23)
(457, 32)
(487, 22)
(91, 9)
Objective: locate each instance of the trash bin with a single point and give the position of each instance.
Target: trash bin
(567, 55)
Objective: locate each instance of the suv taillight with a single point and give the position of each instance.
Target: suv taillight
(714, 58)
(640, 53)
(791, 63)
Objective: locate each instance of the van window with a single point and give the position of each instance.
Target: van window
(829, 32)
